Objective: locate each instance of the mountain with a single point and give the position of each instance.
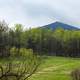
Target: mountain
(56, 25)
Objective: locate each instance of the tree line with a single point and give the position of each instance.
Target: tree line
(58, 42)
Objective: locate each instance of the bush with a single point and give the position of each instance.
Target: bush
(13, 51)
(22, 52)
(26, 52)
(75, 74)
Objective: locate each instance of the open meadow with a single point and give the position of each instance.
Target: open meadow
(56, 68)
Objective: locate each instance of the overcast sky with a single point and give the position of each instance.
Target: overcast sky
(33, 13)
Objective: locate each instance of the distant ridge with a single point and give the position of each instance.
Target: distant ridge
(56, 25)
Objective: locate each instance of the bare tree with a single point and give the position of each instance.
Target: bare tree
(19, 70)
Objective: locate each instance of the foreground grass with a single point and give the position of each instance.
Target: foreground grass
(56, 68)
(52, 68)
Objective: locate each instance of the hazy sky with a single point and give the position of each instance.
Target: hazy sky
(33, 13)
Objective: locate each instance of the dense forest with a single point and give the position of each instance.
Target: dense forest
(58, 42)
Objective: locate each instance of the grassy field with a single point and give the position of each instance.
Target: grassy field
(56, 68)
(53, 68)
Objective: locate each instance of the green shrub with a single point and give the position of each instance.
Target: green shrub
(26, 52)
(13, 51)
(22, 52)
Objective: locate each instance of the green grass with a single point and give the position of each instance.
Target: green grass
(52, 68)
(56, 68)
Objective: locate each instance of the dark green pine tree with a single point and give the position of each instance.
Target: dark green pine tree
(3, 39)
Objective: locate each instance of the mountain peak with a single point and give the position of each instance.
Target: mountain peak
(57, 24)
